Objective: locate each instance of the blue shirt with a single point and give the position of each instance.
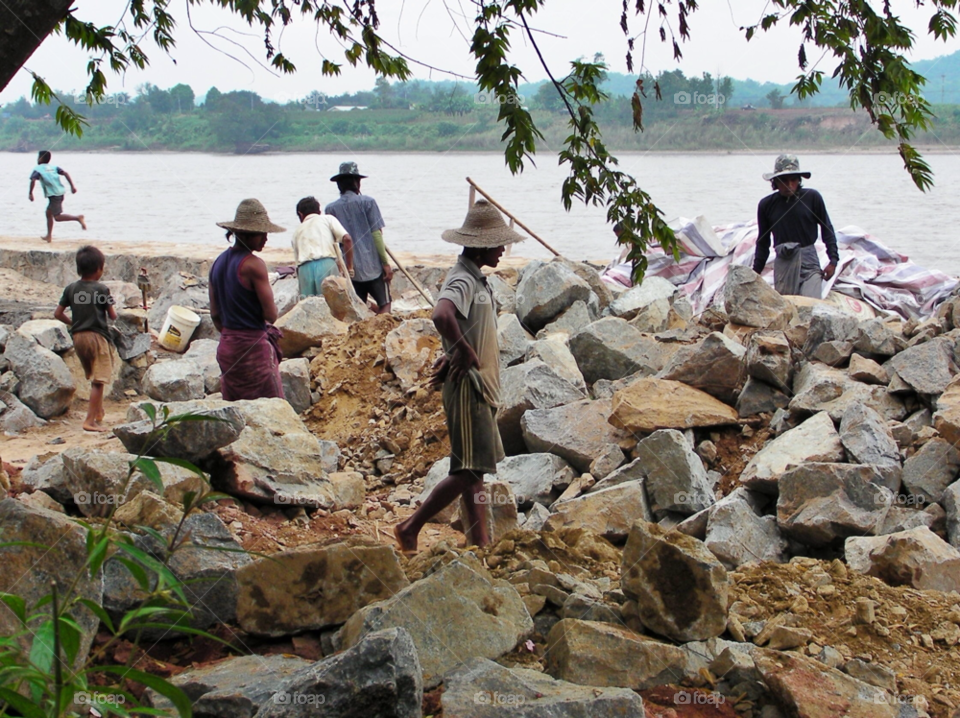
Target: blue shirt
(49, 176)
(360, 216)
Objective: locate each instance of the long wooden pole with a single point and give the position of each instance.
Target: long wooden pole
(520, 224)
(413, 281)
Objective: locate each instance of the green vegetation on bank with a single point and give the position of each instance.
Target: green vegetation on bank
(692, 114)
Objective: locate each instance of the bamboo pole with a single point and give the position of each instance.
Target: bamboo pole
(413, 281)
(520, 224)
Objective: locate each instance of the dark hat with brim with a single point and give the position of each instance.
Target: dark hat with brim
(483, 228)
(251, 216)
(348, 169)
(786, 165)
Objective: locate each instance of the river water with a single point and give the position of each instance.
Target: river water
(177, 197)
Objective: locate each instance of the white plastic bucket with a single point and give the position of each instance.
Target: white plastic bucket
(178, 328)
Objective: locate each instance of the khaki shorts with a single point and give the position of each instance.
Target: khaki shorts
(472, 427)
(93, 351)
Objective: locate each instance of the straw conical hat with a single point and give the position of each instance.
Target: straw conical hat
(251, 217)
(482, 228)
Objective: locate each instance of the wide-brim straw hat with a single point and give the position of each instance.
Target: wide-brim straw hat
(786, 165)
(252, 217)
(483, 228)
(348, 169)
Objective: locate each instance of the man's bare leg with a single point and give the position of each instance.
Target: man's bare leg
(443, 494)
(49, 235)
(71, 218)
(475, 522)
(95, 409)
(385, 309)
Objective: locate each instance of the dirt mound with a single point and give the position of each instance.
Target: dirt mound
(378, 427)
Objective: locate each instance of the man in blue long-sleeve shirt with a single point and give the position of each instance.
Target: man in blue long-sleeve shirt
(793, 216)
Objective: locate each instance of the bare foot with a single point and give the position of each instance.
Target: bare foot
(82, 223)
(47, 238)
(408, 544)
(94, 426)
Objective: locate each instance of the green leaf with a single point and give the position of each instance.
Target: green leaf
(150, 410)
(26, 707)
(182, 464)
(148, 468)
(99, 612)
(41, 648)
(15, 604)
(161, 686)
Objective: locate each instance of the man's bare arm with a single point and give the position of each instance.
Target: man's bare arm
(214, 309)
(464, 357)
(255, 272)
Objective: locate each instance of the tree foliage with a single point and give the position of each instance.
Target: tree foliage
(868, 46)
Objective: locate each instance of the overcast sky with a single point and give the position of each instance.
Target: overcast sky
(437, 33)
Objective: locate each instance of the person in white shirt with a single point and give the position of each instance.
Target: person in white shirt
(315, 247)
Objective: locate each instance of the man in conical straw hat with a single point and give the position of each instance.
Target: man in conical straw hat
(469, 371)
(242, 308)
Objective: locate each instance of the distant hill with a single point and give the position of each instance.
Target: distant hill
(942, 73)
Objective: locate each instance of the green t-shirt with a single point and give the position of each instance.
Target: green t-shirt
(88, 302)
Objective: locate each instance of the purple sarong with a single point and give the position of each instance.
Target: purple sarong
(249, 362)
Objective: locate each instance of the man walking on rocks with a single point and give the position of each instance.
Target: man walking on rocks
(360, 216)
(469, 371)
(791, 216)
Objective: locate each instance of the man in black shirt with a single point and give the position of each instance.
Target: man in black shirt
(792, 216)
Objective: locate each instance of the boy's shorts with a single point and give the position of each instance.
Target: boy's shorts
(93, 351)
(472, 428)
(55, 204)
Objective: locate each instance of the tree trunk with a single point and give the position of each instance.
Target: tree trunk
(24, 24)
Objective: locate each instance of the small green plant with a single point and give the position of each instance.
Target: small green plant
(42, 674)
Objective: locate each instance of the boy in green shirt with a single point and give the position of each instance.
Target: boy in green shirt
(49, 177)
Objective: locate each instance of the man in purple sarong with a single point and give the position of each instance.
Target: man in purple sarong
(243, 310)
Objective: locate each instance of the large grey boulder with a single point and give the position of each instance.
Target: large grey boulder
(917, 558)
(174, 380)
(769, 360)
(931, 470)
(295, 376)
(275, 460)
(822, 503)
(610, 348)
(343, 301)
(534, 478)
(715, 365)
(531, 385)
(512, 339)
(577, 432)
(736, 535)
(192, 440)
(546, 292)
(192, 297)
(749, 300)
(816, 439)
(236, 686)
(681, 589)
(477, 690)
(757, 397)
(591, 275)
(312, 588)
(503, 294)
(951, 505)
(632, 471)
(828, 324)
(818, 387)
(53, 548)
(650, 290)
(608, 512)
(867, 440)
(874, 337)
(570, 321)
(449, 617)
(379, 676)
(676, 480)
(306, 325)
(647, 404)
(16, 416)
(927, 367)
(204, 353)
(46, 385)
(553, 352)
(410, 350)
(51, 334)
(600, 654)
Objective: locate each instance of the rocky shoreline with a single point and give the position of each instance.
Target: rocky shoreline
(749, 512)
